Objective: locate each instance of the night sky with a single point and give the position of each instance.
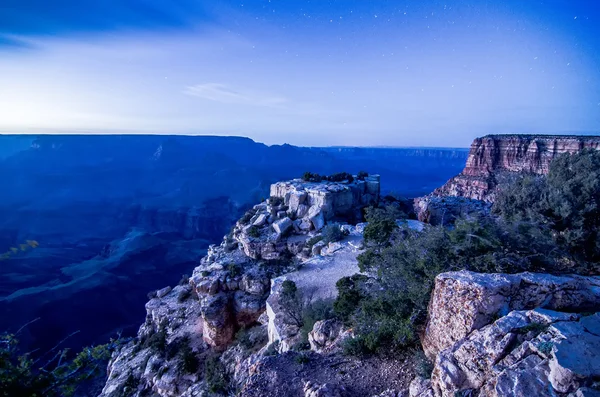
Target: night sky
(393, 73)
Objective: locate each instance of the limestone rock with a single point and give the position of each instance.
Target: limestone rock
(282, 226)
(161, 293)
(312, 389)
(520, 355)
(324, 335)
(420, 387)
(333, 199)
(261, 219)
(463, 302)
(317, 219)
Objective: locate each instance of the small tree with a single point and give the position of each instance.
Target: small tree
(292, 303)
(332, 233)
(53, 374)
(381, 224)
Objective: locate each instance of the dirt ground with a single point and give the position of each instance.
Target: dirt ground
(285, 375)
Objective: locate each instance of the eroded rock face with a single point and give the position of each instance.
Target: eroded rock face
(143, 367)
(495, 155)
(526, 353)
(463, 302)
(232, 290)
(494, 161)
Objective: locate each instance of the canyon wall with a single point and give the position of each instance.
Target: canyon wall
(493, 159)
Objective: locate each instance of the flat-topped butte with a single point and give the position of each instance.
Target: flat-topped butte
(329, 199)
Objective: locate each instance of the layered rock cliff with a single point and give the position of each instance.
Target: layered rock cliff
(493, 161)
(494, 158)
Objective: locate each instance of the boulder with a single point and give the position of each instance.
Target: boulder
(261, 219)
(463, 302)
(525, 353)
(282, 226)
(317, 248)
(163, 292)
(420, 387)
(296, 199)
(317, 219)
(312, 389)
(325, 335)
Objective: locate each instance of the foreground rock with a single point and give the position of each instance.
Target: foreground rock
(463, 302)
(526, 353)
(513, 335)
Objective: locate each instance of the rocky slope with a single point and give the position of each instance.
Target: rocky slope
(228, 291)
(493, 161)
(513, 335)
(226, 329)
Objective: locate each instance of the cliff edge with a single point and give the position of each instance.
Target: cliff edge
(493, 161)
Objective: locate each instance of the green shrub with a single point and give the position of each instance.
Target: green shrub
(215, 375)
(310, 177)
(362, 175)
(53, 374)
(189, 359)
(332, 233)
(381, 225)
(234, 270)
(313, 240)
(567, 202)
(254, 232)
(545, 347)
(341, 177)
(302, 358)
(275, 201)
(248, 215)
(292, 303)
(350, 294)
(354, 346)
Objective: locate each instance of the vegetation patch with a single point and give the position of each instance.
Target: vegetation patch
(215, 375)
(332, 233)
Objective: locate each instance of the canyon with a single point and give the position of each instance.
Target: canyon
(118, 216)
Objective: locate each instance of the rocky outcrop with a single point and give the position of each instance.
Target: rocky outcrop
(493, 161)
(494, 157)
(463, 302)
(501, 335)
(228, 291)
(526, 353)
(444, 210)
(232, 292)
(324, 201)
(173, 323)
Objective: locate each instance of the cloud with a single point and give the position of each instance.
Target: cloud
(224, 94)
